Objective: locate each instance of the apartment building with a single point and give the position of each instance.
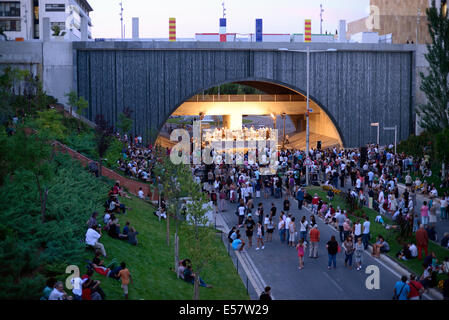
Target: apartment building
(22, 20)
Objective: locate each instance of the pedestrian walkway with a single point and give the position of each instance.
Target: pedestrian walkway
(278, 265)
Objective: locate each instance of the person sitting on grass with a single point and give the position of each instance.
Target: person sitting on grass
(381, 246)
(58, 292)
(132, 236)
(91, 288)
(160, 213)
(189, 276)
(405, 253)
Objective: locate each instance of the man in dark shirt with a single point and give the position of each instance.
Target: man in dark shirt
(266, 295)
(286, 204)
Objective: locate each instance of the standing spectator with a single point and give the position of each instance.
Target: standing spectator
(332, 250)
(292, 232)
(443, 208)
(281, 229)
(422, 240)
(301, 248)
(401, 289)
(348, 245)
(314, 241)
(300, 198)
(260, 234)
(286, 204)
(424, 213)
(270, 229)
(341, 218)
(416, 288)
(304, 225)
(125, 276)
(266, 295)
(366, 233)
(358, 253)
(249, 227)
(357, 230)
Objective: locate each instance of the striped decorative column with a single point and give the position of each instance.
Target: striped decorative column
(172, 29)
(222, 30)
(308, 30)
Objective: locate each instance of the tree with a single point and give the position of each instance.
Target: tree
(57, 31)
(35, 154)
(125, 122)
(435, 113)
(103, 137)
(198, 236)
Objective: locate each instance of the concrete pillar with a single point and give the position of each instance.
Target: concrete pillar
(342, 31)
(135, 28)
(226, 121)
(84, 29)
(46, 29)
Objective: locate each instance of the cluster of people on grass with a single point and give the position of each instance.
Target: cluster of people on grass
(84, 287)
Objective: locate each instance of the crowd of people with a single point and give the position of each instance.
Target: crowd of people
(369, 178)
(84, 287)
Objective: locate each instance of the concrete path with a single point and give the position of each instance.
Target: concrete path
(278, 266)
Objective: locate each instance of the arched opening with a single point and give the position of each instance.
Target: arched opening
(254, 105)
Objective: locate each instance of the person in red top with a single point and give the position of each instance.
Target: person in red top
(416, 288)
(314, 241)
(315, 201)
(422, 240)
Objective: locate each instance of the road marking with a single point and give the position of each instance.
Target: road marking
(333, 281)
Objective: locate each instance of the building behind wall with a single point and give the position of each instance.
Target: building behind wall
(22, 20)
(405, 20)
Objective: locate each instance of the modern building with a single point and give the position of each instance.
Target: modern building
(23, 20)
(405, 21)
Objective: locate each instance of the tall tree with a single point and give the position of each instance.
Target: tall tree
(103, 137)
(435, 85)
(198, 236)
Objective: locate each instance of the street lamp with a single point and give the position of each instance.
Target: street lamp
(395, 128)
(283, 136)
(376, 124)
(308, 51)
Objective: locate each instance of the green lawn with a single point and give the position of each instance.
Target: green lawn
(149, 263)
(389, 235)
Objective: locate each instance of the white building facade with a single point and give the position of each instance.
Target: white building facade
(22, 20)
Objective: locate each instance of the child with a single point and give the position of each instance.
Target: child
(359, 248)
(260, 234)
(301, 247)
(125, 276)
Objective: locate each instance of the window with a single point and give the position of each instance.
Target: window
(58, 7)
(60, 24)
(10, 25)
(10, 9)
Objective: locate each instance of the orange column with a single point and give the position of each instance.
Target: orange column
(172, 29)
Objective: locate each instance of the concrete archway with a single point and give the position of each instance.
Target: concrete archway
(322, 124)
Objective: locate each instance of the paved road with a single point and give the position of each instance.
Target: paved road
(278, 265)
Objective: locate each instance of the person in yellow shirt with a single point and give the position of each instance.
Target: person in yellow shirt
(125, 277)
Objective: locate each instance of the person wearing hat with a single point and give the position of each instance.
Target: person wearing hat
(249, 227)
(314, 241)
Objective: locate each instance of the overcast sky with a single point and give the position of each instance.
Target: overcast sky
(197, 16)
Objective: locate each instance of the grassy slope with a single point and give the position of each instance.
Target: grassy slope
(150, 261)
(377, 229)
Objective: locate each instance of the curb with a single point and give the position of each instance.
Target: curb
(246, 262)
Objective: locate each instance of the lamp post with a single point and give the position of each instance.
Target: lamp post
(308, 51)
(395, 128)
(376, 124)
(283, 135)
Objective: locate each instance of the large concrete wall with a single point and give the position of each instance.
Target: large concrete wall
(356, 85)
(52, 61)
